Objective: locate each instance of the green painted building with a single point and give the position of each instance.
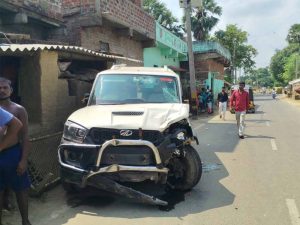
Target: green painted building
(211, 59)
(169, 50)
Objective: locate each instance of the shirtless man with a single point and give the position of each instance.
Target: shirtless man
(15, 156)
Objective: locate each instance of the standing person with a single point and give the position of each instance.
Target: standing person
(210, 102)
(240, 100)
(222, 102)
(200, 101)
(13, 161)
(204, 99)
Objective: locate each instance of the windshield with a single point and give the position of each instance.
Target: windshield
(127, 89)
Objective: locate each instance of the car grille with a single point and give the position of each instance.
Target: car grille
(128, 155)
(100, 135)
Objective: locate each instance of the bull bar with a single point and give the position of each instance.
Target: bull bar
(114, 167)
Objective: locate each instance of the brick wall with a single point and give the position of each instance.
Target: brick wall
(124, 11)
(202, 67)
(50, 8)
(70, 34)
(137, 2)
(121, 45)
(82, 6)
(131, 14)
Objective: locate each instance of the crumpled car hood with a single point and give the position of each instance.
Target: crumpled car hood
(131, 116)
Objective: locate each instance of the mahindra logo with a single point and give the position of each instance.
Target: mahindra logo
(126, 133)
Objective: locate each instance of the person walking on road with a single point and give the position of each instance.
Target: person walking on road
(273, 93)
(222, 102)
(13, 160)
(240, 101)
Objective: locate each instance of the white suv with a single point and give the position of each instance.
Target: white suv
(134, 128)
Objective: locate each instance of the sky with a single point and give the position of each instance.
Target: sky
(266, 21)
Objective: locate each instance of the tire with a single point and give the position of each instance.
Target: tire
(190, 170)
(70, 188)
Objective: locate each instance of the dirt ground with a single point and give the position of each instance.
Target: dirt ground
(290, 100)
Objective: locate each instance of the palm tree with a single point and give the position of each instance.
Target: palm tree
(203, 20)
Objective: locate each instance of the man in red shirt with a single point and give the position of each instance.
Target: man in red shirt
(240, 101)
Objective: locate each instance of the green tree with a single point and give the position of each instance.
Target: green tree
(294, 34)
(263, 77)
(163, 15)
(235, 40)
(278, 61)
(260, 77)
(290, 68)
(205, 19)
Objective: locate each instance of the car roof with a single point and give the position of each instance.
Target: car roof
(140, 70)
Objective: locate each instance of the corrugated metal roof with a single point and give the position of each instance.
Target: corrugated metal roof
(37, 47)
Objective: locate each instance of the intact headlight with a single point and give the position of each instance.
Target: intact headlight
(74, 132)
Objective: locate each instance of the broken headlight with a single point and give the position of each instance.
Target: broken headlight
(73, 157)
(180, 136)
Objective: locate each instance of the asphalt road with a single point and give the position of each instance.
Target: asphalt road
(255, 181)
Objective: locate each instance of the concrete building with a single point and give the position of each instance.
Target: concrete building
(50, 76)
(29, 21)
(117, 30)
(169, 50)
(116, 27)
(211, 60)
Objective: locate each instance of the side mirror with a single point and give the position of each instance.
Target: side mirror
(85, 98)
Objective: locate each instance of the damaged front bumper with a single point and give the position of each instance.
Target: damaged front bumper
(96, 175)
(77, 174)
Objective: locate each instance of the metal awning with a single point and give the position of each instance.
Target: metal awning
(6, 48)
(294, 82)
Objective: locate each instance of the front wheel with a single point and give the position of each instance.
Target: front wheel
(185, 172)
(71, 188)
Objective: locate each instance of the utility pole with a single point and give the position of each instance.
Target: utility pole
(187, 9)
(233, 63)
(296, 72)
(297, 56)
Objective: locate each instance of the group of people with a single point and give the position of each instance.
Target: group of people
(239, 101)
(205, 100)
(14, 149)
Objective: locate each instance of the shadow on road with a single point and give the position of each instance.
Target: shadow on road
(259, 136)
(210, 193)
(259, 112)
